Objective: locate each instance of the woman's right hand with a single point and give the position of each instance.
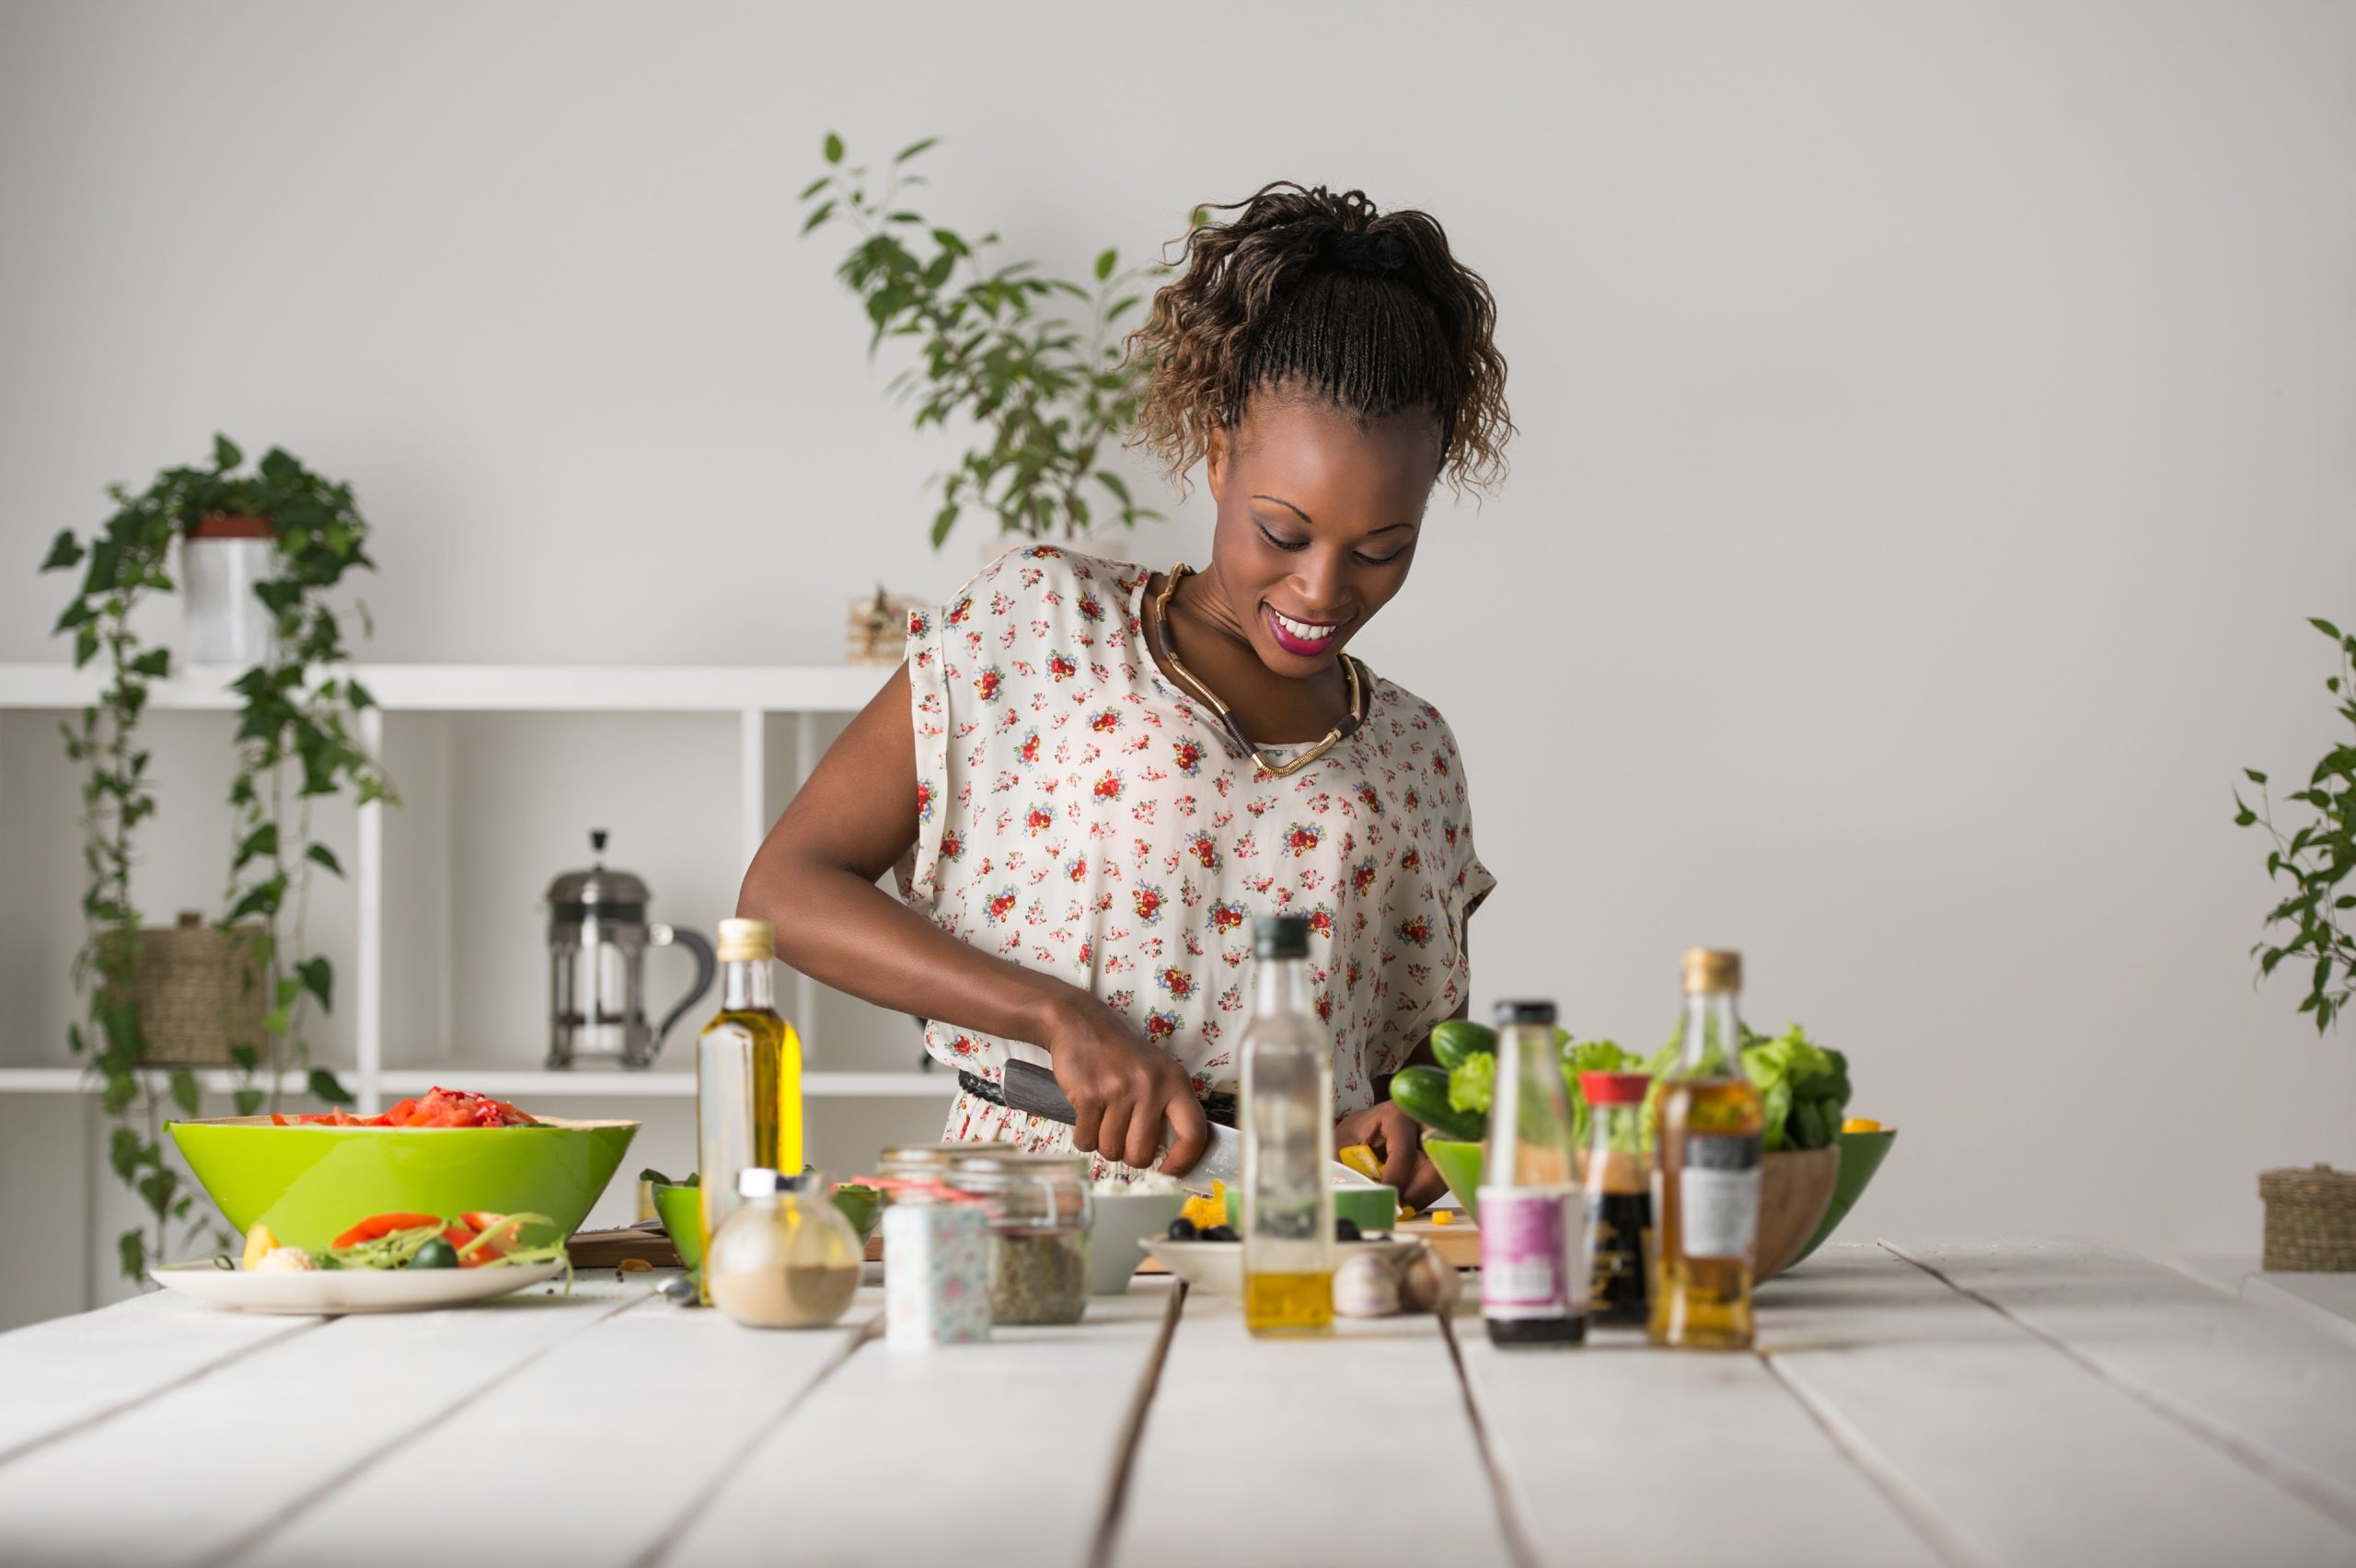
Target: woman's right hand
(1123, 1091)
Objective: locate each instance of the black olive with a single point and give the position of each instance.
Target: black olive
(1183, 1230)
(435, 1255)
(1220, 1233)
(1347, 1229)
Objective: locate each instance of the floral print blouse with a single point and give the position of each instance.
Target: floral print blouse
(1080, 814)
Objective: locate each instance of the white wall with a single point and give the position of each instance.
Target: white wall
(1935, 426)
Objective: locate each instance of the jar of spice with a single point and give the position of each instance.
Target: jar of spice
(787, 1258)
(1037, 1206)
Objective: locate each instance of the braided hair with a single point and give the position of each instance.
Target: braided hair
(1304, 289)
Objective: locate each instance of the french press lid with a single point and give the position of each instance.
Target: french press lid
(598, 892)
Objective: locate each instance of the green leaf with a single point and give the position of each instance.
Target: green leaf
(913, 148)
(131, 1251)
(325, 1088)
(184, 1089)
(322, 855)
(226, 455)
(1105, 263)
(814, 186)
(259, 844)
(834, 148)
(248, 1101)
(818, 214)
(319, 980)
(64, 551)
(2254, 776)
(2324, 627)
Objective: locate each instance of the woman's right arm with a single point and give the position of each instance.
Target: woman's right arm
(814, 880)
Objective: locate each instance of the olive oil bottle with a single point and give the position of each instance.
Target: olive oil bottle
(1706, 1185)
(1286, 1113)
(748, 1077)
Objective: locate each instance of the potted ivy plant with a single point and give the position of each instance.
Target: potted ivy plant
(296, 741)
(1052, 394)
(2311, 1214)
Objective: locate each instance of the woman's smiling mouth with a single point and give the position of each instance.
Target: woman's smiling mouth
(1303, 639)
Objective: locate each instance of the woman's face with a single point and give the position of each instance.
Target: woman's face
(1319, 512)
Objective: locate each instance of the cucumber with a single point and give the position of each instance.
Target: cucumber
(1422, 1092)
(1456, 1038)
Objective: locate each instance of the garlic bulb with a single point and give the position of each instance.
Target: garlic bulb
(1364, 1286)
(1427, 1284)
(286, 1260)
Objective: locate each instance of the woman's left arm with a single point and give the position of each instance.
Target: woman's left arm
(1396, 1137)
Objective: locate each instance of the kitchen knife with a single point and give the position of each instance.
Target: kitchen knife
(1032, 1089)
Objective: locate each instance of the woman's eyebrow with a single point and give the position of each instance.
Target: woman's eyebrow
(1297, 511)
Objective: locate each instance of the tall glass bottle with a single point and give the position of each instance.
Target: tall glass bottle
(748, 1077)
(1287, 1118)
(1705, 1209)
(1531, 1290)
(1619, 1201)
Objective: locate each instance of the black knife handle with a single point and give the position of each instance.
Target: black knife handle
(1031, 1088)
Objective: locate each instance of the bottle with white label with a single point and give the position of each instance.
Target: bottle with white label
(1705, 1184)
(1532, 1290)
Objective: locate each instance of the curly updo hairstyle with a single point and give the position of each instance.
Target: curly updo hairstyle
(1304, 289)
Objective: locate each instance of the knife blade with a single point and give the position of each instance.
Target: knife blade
(1031, 1087)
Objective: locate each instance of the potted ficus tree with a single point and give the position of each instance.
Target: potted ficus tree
(2311, 1214)
(295, 744)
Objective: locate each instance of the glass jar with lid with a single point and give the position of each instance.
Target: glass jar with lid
(787, 1258)
(1038, 1206)
(927, 1164)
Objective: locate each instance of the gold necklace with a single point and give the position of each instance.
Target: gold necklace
(1197, 687)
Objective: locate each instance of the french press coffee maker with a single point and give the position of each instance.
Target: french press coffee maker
(598, 934)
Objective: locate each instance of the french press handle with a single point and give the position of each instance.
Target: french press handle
(707, 970)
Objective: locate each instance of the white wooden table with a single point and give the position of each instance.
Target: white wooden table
(1959, 1402)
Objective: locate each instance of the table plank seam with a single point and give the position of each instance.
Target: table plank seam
(123, 1407)
(2249, 1456)
(1520, 1541)
(1943, 1539)
(1116, 1496)
(667, 1539)
(247, 1540)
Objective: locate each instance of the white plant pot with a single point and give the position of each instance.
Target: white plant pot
(225, 623)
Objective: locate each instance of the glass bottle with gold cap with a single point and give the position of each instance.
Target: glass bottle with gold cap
(1705, 1183)
(748, 1075)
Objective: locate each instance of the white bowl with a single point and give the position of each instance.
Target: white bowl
(1117, 1223)
(1217, 1266)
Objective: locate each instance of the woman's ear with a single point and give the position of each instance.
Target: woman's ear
(1215, 460)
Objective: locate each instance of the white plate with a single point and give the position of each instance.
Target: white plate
(328, 1292)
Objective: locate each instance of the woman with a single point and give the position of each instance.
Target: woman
(1090, 776)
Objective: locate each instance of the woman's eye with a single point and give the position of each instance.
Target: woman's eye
(1379, 561)
(1283, 544)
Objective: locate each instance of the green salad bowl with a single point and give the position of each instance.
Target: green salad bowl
(310, 1184)
(1373, 1209)
(1861, 1156)
(681, 1211)
(1460, 1165)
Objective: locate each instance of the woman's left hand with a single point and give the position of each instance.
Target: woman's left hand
(1397, 1140)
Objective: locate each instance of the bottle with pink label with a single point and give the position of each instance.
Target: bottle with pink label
(1532, 1290)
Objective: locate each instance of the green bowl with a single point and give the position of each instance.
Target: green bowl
(681, 1210)
(310, 1184)
(1861, 1156)
(1374, 1210)
(1460, 1165)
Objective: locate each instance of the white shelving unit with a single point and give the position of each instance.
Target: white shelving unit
(753, 694)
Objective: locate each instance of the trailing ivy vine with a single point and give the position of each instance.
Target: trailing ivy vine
(2315, 858)
(295, 743)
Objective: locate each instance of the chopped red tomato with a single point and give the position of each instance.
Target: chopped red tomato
(436, 1108)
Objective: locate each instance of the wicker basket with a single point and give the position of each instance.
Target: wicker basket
(2310, 1220)
(201, 991)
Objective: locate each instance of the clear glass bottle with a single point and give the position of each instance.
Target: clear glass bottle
(1531, 1290)
(1619, 1206)
(786, 1258)
(1706, 1128)
(748, 1077)
(1286, 1113)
